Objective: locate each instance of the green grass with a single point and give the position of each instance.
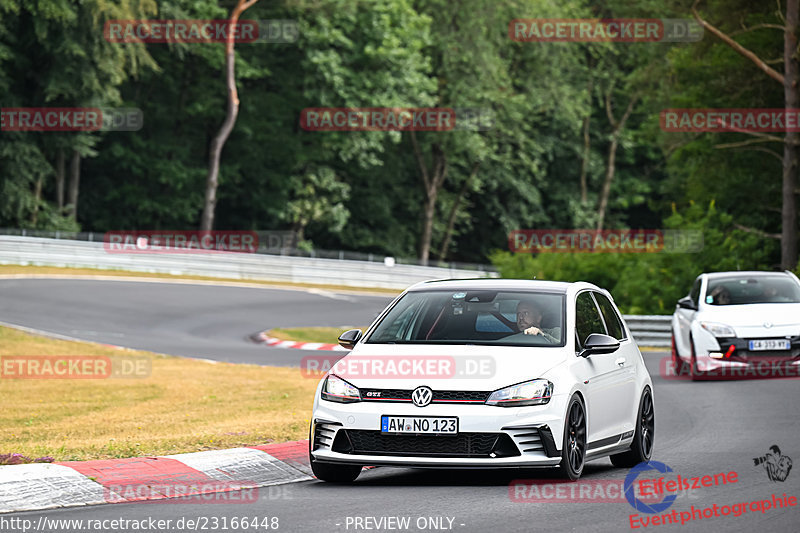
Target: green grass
(311, 334)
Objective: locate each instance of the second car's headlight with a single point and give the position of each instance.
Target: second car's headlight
(718, 330)
(536, 392)
(336, 389)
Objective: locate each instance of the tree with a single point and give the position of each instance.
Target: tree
(789, 80)
(215, 151)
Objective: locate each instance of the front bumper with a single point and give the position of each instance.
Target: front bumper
(489, 437)
(731, 357)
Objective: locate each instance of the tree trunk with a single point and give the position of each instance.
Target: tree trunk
(610, 169)
(74, 184)
(217, 143)
(451, 220)
(790, 145)
(60, 180)
(37, 193)
(432, 183)
(618, 126)
(587, 145)
(427, 225)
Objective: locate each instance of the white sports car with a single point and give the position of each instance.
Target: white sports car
(486, 373)
(738, 324)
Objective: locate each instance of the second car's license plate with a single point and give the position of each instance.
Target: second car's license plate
(769, 344)
(429, 425)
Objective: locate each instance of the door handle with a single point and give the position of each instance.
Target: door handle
(621, 361)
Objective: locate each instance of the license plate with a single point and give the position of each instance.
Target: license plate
(769, 344)
(426, 425)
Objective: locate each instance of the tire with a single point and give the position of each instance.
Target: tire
(573, 447)
(694, 373)
(643, 438)
(332, 473)
(681, 368)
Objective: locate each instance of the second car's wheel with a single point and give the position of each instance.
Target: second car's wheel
(573, 448)
(681, 368)
(643, 438)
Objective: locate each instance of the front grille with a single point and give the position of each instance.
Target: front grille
(472, 445)
(440, 396)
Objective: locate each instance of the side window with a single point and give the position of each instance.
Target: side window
(587, 318)
(695, 294)
(613, 323)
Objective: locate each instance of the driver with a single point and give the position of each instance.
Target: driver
(529, 320)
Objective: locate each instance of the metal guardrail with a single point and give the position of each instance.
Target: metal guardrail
(269, 242)
(242, 266)
(650, 330)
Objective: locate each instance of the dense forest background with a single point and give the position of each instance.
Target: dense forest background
(576, 141)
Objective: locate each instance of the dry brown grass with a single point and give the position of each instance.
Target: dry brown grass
(183, 406)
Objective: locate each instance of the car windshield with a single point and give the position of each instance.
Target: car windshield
(752, 290)
(486, 317)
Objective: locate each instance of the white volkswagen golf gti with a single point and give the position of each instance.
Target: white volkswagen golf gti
(486, 373)
(738, 324)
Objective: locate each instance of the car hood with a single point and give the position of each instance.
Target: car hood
(445, 367)
(747, 320)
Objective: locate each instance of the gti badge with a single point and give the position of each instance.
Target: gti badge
(422, 396)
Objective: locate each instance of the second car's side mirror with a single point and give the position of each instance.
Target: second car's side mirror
(597, 343)
(687, 303)
(349, 338)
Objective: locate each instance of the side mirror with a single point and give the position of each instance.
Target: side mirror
(687, 303)
(597, 343)
(349, 338)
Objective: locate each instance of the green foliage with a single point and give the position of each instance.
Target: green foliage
(650, 283)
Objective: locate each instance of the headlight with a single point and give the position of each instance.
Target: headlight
(718, 330)
(536, 392)
(336, 389)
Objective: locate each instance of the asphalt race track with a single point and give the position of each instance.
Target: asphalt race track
(192, 320)
(702, 428)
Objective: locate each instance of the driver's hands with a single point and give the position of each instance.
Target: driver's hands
(532, 331)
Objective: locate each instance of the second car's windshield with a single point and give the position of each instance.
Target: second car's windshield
(753, 290)
(474, 317)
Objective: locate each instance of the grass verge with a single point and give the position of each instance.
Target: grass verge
(184, 405)
(317, 334)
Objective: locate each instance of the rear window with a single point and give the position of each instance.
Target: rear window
(523, 318)
(752, 290)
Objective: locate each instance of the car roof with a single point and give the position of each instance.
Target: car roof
(743, 274)
(498, 284)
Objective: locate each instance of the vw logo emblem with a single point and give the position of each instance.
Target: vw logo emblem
(422, 396)
(767, 325)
